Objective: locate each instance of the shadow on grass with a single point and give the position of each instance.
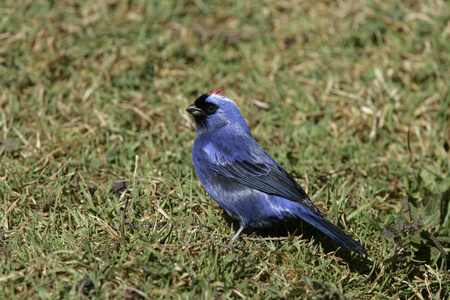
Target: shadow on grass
(297, 227)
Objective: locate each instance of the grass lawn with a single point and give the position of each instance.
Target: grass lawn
(98, 195)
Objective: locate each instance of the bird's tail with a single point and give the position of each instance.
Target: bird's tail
(332, 231)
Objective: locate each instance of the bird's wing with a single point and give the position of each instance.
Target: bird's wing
(267, 178)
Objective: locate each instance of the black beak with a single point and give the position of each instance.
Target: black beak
(194, 110)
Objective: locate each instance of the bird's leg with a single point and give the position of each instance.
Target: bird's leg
(287, 229)
(237, 234)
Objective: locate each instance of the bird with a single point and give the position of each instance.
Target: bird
(243, 178)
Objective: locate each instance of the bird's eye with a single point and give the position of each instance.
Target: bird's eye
(211, 109)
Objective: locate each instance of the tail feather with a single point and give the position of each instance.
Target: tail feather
(332, 231)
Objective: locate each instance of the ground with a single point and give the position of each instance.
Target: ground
(98, 196)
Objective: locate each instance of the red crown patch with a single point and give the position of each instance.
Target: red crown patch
(215, 92)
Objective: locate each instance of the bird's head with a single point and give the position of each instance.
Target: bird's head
(213, 111)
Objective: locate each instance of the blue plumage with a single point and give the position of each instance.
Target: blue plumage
(243, 179)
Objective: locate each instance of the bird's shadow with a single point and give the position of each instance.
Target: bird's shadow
(296, 227)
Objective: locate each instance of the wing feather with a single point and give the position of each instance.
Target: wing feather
(269, 179)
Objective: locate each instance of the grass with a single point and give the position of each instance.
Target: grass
(351, 97)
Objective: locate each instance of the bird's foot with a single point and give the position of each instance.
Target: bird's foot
(238, 233)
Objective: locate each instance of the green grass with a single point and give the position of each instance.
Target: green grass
(352, 98)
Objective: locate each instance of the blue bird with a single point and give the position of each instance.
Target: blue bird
(243, 179)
